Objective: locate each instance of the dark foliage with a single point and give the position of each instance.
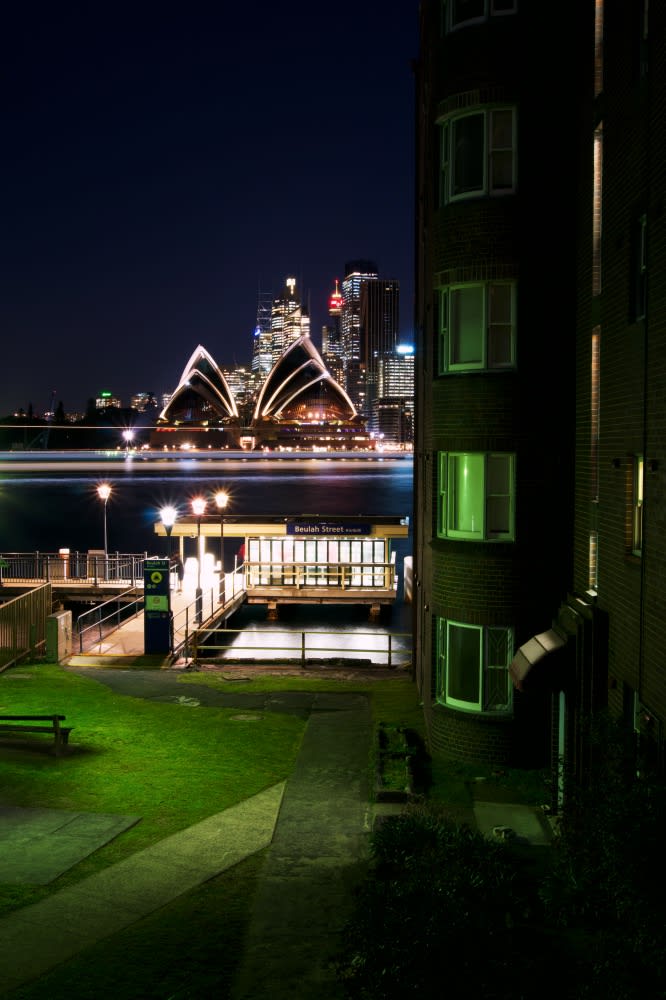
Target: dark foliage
(443, 912)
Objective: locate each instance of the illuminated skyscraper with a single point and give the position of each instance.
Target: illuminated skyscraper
(262, 357)
(379, 338)
(289, 320)
(331, 340)
(357, 274)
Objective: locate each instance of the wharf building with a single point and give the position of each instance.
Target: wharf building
(539, 553)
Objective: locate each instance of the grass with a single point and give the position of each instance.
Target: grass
(173, 764)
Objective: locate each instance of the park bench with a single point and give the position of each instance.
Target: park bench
(28, 724)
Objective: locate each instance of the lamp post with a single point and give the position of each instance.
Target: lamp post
(104, 492)
(128, 435)
(221, 499)
(198, 509)
(168, 516)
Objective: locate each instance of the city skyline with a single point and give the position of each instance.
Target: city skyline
(161, 176)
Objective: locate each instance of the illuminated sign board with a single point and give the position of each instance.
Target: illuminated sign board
(328, 528)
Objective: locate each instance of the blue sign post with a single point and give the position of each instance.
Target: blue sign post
(157, 606)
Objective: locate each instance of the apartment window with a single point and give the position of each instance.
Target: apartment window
(639, 267)
(478, 154)
(477, 327)
(459, 13)
(473, 666)
(637, 505)
(476, 496)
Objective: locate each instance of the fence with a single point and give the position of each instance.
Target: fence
(93, 567)
(23, 625)
(223, 645)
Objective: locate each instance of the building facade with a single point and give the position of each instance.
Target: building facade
(495, 329)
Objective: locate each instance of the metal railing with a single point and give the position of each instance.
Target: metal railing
(214, 600)
(23, 625)
(344, 576)
(223, 645)
(85, 567)
(102, 620)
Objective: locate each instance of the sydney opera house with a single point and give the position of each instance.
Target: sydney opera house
(299, 406)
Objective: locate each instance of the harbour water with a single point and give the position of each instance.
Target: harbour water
(55, 505)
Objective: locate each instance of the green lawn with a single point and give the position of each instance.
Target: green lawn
(172, 764)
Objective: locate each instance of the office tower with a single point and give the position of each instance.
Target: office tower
(497, 218)
(379, 318)
(393, 415)
(289, 320)
(357, 274)
(262, 356)
(331, 337)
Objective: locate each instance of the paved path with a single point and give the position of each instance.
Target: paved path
(315, 859)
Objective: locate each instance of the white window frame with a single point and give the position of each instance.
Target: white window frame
(446, 500)
(491, 8)
(493, 683)
(485, 333)
(489, 155)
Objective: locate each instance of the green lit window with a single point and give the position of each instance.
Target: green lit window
(477, 327)
(478, 154)
(476, 496)
(637, 505)
(473, 666)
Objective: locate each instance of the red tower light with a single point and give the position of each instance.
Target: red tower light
(335, 301)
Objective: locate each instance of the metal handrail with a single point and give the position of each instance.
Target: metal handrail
(186, 621)
(387, 649)
(348, 575)
(92, 566)
(136, 604)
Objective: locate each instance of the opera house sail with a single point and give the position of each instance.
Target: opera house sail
(299, 406)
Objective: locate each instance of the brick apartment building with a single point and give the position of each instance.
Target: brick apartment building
(540, 376)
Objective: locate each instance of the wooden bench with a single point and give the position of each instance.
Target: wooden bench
(27, 724)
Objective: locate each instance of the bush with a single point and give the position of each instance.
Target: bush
(443, 911)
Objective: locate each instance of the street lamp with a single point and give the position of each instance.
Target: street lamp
(104, 492)
(198, 509)
(128, 435)
(221, 499)
(168, 516)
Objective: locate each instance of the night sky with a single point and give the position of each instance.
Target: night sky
(161, 165)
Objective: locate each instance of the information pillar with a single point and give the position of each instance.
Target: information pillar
(157, 606)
